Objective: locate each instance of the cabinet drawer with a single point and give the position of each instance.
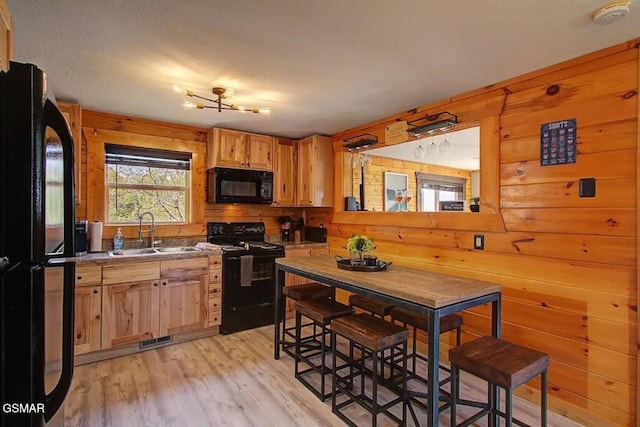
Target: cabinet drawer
(130, 272)
(88, 275)
(215, 303)
(215, 261)
(179, 268)
(215, 318)
(215, 288)
(215, 276)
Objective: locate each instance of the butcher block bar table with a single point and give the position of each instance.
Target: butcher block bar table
(433, 294)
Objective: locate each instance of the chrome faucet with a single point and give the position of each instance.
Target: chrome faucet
(152, 230)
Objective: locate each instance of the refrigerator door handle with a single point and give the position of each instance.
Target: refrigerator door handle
(55, 399)
(56, 121)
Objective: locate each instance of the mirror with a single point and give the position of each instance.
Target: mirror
(432, 174)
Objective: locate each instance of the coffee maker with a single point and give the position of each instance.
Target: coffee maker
(81, 237)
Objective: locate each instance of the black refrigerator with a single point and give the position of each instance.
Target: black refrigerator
(37, 213)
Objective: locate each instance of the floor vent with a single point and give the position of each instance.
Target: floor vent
(155, 341)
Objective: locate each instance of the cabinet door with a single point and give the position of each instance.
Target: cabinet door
(130, 312)
(260, 151)
(183, 304)
(230, 147)
(6, 36)
(306, 179)
(88, 302)
(73, 115)
(284, 174)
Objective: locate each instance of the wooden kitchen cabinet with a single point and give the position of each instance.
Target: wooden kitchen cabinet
(87, 308)
(6, 36)
(285, 172)
(215, 290)
(315, 161)
(235, 149)
(73, 115)
(183, 295)
(87, 319)
(130, 312)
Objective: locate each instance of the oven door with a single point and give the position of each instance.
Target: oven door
(250, 306)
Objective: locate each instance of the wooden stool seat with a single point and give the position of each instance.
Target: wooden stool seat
(308, 291)
(374, 306)
(500, 362)
(322, 311)
(420, 321)
(369, 331)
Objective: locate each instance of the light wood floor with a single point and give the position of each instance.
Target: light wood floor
(218, 381)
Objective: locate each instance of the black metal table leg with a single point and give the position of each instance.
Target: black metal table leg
(433, 368)
(278, 312)
(496, 331)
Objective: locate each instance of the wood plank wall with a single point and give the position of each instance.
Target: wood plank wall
(143, 128)
(567, 264)
(374, 179)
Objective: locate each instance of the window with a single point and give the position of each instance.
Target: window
(433, 189)
(146, 180)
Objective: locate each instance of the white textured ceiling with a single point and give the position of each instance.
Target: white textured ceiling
(321, 66)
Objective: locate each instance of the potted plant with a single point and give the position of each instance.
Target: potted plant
(475, 204)
(359, 245)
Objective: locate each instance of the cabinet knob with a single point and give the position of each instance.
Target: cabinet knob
(164, 283)
(95, 291)
(79, 278)
(155, 284)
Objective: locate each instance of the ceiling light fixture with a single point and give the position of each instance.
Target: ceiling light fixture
(611, 12)
(359, 142)
(218, 104)
(434, 126)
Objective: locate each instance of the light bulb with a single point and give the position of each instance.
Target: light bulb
(188, 105)
(179, 90)
(243, 109)
(264, 110)
(444, 145)
(419, 152)
(228, 92)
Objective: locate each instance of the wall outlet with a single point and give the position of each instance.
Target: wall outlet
(478, 241)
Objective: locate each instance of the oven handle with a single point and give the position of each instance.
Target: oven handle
(234, 258)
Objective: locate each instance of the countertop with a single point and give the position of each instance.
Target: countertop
(104, 258)
(305, 244)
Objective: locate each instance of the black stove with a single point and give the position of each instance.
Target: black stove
(248, 274)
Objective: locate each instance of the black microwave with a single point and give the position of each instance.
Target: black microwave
(226, 185)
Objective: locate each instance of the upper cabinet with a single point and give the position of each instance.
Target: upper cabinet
(315, 162)
(73, 114)
(235, 149)
(6, 36)
(284, 172)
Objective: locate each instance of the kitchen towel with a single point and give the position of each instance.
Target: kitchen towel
(96, 236)
(246, 270)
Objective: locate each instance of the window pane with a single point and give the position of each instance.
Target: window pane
(126, 204)
(143, 175)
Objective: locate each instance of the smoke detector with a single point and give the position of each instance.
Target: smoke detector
(611, 12)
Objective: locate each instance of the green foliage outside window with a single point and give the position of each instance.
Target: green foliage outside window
(132, 190)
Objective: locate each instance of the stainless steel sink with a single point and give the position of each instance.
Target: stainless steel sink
(152, 251)
(178, 249)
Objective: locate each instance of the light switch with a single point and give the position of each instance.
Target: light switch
(478, 241)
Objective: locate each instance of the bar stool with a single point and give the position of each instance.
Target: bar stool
(420, 321)
(374, 307)
(321, 312)
(376, 335)
(303, 292)
(501, 364)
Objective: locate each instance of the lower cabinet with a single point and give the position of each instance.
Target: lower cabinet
(130, 312)
(171, 298)
(183, 295)
(87, 327)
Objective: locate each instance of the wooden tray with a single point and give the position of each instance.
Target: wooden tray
(345, 264)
